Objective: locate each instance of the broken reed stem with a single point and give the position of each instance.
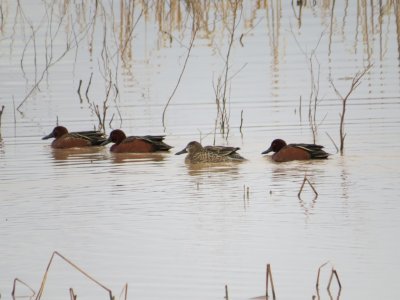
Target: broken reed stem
(194, 32)
(319, 273)
(42, 285)
(124, 291)
(269, 278)
(334, 273)
(72, 294)
(310, 184)
(25, 284)
(226, 292)
(333, 142)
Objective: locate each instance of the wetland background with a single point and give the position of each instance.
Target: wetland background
(225, 72)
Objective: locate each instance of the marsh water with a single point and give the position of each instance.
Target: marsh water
(174, 231)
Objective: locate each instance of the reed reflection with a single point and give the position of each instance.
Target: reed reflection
(298, 179)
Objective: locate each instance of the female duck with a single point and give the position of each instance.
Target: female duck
(210, 154)
(284, 152)
(135, 144)
(65, 139)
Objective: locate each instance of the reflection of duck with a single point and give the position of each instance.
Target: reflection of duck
(137, 157)
(86, 153)
(135, 144)
(65, 139)
(284, 152)
(199, 169)
(210, 154)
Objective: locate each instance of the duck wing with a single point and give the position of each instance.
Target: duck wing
(225, 151)
(221, 150)
(95, 137)
(316, 151)
(156, 140)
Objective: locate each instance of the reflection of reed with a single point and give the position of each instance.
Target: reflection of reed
(283, 174)
(273, 14)
(397, 15)
(1, 113)
(105, 29)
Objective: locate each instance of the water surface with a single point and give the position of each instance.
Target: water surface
(175, 231)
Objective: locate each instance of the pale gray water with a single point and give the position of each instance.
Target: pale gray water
(173, 231)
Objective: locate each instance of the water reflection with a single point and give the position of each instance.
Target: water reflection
(201, 169)
(86, 153)
(344, 178)
(288, 179)
(137, 157)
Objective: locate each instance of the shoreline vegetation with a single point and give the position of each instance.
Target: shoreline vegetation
(107, 32)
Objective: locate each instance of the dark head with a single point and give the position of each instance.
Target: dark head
(276, 146)
(57, 132)
(191, 148)
(116, 137)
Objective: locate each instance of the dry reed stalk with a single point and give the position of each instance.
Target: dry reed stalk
(353, 86)
(221, 89)
(25, 284)
(268, 279)
(319, 273)
(334, 273)
(194, 32)
(49, 40)
(55, 253)
(124, 292)
(314, 100)
(129, 34)
(72, 295)
(333, 142)
(52, 30)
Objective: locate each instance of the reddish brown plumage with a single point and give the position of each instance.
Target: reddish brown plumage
(135, 144)
(289, 153)
(284, 152)
(63, 139)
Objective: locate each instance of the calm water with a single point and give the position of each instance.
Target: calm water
(173, 231)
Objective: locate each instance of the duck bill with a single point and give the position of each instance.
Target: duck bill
(181, 152)
(49, 136)
(107, 141)
(267, 151)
